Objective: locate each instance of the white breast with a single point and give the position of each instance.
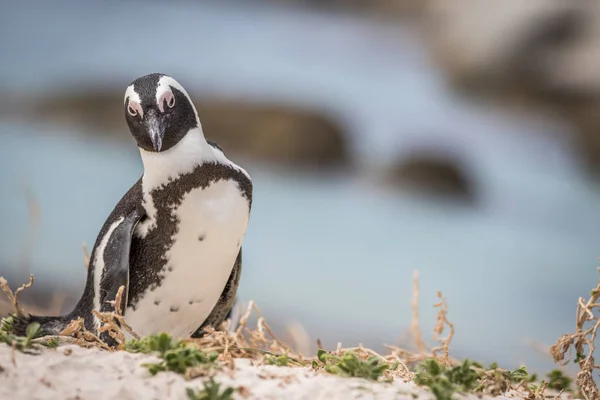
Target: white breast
(212, 225)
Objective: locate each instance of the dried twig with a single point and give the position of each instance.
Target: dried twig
(114, 322)
(442, 320)
(111, 322)
(423, 350)
(86, 256)
(415, 326)
(83, 337)
(583, 341)
(14, 297)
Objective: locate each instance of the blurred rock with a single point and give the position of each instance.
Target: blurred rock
(396, 8)
(508, 42)
(275, 133)
(434, 175)
(538, 53)
(269, 133)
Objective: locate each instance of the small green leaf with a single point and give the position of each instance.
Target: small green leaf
(321, 355)
(559, 381)
(52, 343)
(211, 391)
(32, 330)
(519, 374)
(579, 357)
(7, 325)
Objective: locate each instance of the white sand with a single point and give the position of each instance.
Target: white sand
(74, 373)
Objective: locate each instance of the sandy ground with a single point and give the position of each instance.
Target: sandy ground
(75, 373)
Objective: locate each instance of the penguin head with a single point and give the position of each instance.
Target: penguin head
(159, 112)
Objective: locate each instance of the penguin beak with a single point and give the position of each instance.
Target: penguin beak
(155, 129)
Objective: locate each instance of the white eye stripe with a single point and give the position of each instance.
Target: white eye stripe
(167, 97)
(132, 95)
(165, 83)
(132, 99)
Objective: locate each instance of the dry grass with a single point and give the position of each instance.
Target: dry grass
(583, 342)
(14, 297)
(254, 342)
(258, 342)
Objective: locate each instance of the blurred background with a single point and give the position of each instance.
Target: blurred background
(452, 137)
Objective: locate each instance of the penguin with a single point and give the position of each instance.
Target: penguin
(174, 240)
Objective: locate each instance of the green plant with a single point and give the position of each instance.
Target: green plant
(349, 364)
(211, 391)
(468, 376)
(559, 381)
(180, 359)
(176, 355)
(22, 343)
(279, 360)
(7, 325)
(444, 382)
(160, 344)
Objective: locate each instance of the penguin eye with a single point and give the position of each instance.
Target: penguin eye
(171, 101)
(134, 109)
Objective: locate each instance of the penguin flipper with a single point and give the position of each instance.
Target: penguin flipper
(115, 275)
(116, 261)
(225, 307)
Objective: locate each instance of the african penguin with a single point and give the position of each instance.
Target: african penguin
(174, 240)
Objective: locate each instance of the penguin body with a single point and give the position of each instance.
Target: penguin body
(174, 240)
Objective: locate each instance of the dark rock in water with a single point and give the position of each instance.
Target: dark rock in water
(434, 175)
(396, 8)
(275, 133)
(270, 133)
(92, 112)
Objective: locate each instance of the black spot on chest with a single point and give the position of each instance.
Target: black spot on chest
(148, 265)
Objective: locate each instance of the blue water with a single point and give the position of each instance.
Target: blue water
(373, 75)
(335, 253)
